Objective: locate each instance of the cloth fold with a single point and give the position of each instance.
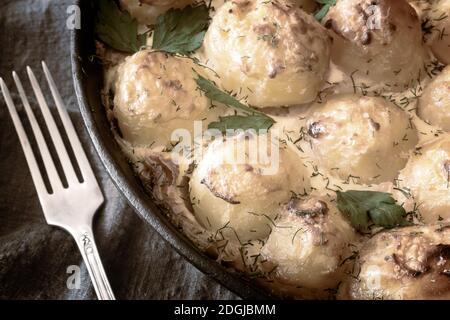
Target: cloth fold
(35, 257)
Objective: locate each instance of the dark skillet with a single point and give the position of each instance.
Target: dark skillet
(87, 77)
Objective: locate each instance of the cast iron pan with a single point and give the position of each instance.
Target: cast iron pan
(87, 75)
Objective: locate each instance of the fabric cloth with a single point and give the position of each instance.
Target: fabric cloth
(34, 257)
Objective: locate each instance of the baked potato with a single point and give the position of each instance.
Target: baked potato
(270, 52)
(360, 136)
(378, 42)
(402, 264)
(434, 104)
(427, 176)
(310, 246)
(155, 94)
(241, 193)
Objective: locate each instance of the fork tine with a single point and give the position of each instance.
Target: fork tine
(54, 132)
(29, 155)
(49, 165)
(80, 155)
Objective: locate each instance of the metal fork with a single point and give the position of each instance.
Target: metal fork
(70, 208)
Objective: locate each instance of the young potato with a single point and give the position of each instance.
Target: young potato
(434, 104)
(427, 175)
(361, 136)
(237, 195)
(271, 52)
(156, 93)
(147, 11)
(402, 264)
(310, 245)
(379, 42)
(439, 17)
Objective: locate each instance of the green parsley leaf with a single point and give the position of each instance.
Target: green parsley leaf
(252, 119)
(327, 4)
(181, 30)
(117, 28)
(362, 207)
(236, 122)
(215, 94)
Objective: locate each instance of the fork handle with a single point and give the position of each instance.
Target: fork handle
(86, 244)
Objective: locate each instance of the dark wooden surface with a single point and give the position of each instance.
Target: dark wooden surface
(33, 256)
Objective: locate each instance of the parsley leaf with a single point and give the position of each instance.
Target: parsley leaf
(181, 30)
(252, 119)
(327, 4)
(215, 94)
(117, 28)
(236, 122)
(364, 206)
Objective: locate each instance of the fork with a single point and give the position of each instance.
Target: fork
(71, 208)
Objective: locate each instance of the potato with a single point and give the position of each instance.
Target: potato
(427, 175)
(147, 11)
(310, 245)
(380, 44)
(271, 52)
(434, 104)
(405, 263)
(361, 136)
(155, 94)
(243, 195)
(439, 17)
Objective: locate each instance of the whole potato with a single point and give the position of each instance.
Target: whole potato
(270, 52)
(379, 42)
(360, 136)
(427, 175)
(402, 264)
(310, 245)
(237, 195)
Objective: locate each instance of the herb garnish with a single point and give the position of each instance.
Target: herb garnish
(181, 30)
(252, 119)
(364, 206)
(327, 4)
(117, 28)
(235, 122)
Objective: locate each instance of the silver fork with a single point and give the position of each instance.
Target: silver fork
(70, 208)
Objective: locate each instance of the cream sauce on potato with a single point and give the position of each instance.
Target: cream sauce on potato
(155, 94)
(379, 42)
(434, 104)
(310, 246)
(236, 195)
(271, 53)
(406, 263)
